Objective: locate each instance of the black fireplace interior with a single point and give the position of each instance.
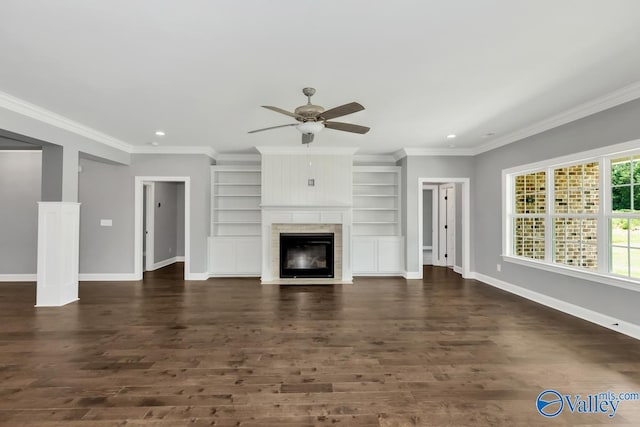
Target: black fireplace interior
(306, 255)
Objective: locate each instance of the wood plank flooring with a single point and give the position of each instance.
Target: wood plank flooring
(228, 352)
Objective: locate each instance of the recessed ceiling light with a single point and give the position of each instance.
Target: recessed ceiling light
(160, 133)
(154, 143)
(451, 136)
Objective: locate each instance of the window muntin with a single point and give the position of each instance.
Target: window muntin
(624, 217)
(528, 221)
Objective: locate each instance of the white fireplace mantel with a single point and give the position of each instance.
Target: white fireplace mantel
(280, 214)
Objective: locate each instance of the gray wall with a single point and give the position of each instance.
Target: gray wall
(114, 196)
(427, 217)
(619, 124)
(165, 221)
(427, 167)
(20, 181)
(105, 191)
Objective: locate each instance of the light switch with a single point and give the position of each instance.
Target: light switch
(106, 222)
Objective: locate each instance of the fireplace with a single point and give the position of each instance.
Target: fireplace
(306, 255)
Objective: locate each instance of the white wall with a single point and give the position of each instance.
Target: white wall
(20, 177)
(285, 179)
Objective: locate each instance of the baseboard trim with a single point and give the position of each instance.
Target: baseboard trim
(457, 269)
(197, 276)
(107, 277)
(228, 275)
(410, 275)
(18, 277)
(164, 263)
(626, 328)
(180, 259)
(397, 274)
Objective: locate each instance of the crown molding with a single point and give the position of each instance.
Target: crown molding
(252, 158)
(33, 111)
(196, 149)
(347, 151)
(374, 158)
(610, 100)
(414, 151)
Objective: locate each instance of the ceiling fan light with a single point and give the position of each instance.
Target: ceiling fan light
(310, 127)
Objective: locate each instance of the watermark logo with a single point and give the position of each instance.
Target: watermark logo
(550, 403)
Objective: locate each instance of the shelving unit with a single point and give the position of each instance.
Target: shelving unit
(236, 221)
(235, 201)
(378, 246)
(376, 200)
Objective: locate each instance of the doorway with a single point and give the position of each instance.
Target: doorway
(451, 223)
(162, 223)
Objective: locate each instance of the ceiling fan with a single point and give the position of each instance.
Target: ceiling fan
(313, 118)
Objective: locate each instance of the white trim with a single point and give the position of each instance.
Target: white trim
(417, 151)
(33, 111)
(197, 276)
(374, 158)
(248, 158)
(137, 232)
(18, 277)
(107, 277)
(150, 232)
(379, 275)
(410, 275)
(172, 149)
(350, 151)
(223, 275)
(603, 320)
(466, 221)
(592, 276)
(179, 258)
(435, 199)
(164, 263)
(457, 269)
(610, 100)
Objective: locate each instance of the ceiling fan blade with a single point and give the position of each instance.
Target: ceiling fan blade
(347, 127)
(342, 110)
(273, 127)
(307, 138)
(280, 110)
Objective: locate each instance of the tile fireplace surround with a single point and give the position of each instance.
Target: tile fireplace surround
(334, 220)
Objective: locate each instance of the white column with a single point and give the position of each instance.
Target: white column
(58, 246)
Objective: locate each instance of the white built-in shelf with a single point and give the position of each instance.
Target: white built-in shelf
(376, 201)
(235, 201)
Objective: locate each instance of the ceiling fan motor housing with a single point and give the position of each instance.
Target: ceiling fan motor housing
(308, 112)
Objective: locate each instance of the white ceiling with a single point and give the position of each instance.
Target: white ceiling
(200, 69)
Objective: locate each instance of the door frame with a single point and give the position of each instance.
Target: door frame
(149, 233)
(139, 182)
(466, 222)
(434, 222)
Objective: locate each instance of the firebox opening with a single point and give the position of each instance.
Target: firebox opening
(305, 255)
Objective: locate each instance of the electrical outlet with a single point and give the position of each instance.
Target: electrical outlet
(311, 182)
(499, 267)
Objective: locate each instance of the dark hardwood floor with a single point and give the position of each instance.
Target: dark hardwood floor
(229, 352)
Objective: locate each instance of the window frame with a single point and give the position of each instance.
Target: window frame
(604, 157)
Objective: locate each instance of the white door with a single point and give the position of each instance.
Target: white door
(447, 227)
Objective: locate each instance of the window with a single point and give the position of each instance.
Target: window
(624, 218)
(581, 216)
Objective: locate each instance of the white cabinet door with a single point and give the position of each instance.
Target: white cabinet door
(249, 255)
(390, 255)
(364, 255)
(236, 256)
